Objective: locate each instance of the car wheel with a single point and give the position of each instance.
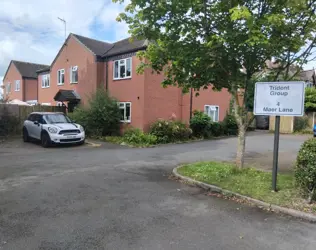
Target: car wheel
(45, 140)
(81, 143)
(26, 137)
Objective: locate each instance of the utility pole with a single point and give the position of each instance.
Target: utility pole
(65, 25)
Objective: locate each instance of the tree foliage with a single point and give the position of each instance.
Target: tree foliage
(195, 43)
(310, 99)
(101, 117)
(305, 170)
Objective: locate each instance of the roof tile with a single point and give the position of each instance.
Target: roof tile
(96, 46)
(125, 45)
(28, 69)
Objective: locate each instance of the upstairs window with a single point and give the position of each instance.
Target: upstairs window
(74, 74)
(212, 111)
(8, 89)
(17, 85)
(122, 69)
(125, 110)
(61, 77)
(45, 81)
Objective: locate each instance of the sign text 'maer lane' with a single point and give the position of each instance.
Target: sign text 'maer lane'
(279, 98)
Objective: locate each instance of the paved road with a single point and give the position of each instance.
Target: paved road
(119, 198)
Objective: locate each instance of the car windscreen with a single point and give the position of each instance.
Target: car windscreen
(56, 118)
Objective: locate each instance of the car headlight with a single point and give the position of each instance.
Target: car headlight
(52, 130)
(81, 128)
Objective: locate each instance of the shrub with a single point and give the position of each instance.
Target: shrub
(300, 123)
(102, 117)
(305, 170)
(103, 114)
(170, 131)
(216, 129)
(80, 115)
(138, 137)
(230, 125)
(199, 124)
(9, 124)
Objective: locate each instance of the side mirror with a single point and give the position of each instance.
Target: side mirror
(36, 123)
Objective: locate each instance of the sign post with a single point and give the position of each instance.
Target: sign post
(276, 153)
(279, 99)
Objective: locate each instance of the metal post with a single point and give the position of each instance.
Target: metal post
(276, 153)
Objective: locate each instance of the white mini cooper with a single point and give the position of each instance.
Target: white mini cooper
(51, 128)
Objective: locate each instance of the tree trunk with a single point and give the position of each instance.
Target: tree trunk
(241, 146)
(311, 196)
(242, 127)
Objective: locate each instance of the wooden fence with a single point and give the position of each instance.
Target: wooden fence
(20, 113)
(287, 122)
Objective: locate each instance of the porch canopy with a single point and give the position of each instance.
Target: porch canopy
(67, 96)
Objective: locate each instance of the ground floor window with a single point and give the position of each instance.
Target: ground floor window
(125, 110)
(8, 90)
(212, 111)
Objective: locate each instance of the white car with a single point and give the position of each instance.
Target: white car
(51, 128)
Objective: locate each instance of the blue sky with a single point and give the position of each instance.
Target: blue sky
(30, 30)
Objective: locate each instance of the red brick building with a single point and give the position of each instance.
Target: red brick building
(20, 81)
(83, 64)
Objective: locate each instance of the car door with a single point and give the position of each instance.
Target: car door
(37, 126)
(30, 126)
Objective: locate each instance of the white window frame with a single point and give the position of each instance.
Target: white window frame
(122, 64)
(130, 111)
(43, 78)
(73, 69)
(212, 107)
(60, 72)
(17, 83)
(8, 88)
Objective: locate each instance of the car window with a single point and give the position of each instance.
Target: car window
(56, 118)
(41, 120)
(37, 118)
(31, 117)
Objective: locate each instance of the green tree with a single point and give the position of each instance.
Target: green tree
(222, 43)
(310, 99)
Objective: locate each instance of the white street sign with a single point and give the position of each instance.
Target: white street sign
(279, 98)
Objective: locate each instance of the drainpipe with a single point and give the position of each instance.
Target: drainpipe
(23, 89)
(191, 102)
(107, 76)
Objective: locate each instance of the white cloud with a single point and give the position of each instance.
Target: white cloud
(30, 30)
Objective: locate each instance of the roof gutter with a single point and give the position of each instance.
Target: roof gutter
(108, 57)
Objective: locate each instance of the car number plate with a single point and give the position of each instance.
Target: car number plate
(70, 136)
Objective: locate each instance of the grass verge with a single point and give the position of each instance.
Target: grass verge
(249, 182)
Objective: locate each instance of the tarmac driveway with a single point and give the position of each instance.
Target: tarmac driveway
(112, 197)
